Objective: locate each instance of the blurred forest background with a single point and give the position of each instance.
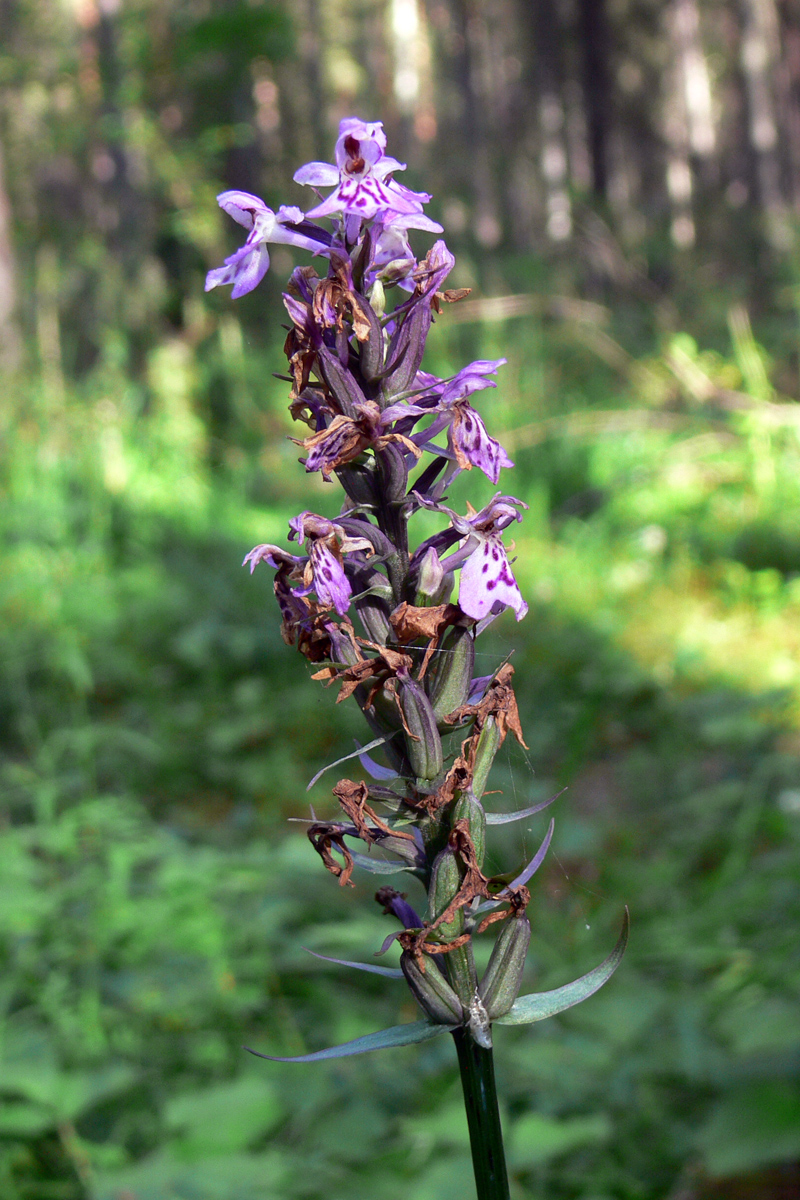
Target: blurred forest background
(620, 182)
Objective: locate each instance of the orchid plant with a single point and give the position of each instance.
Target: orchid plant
(379, 619)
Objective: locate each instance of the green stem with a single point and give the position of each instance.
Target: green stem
(483, 1117)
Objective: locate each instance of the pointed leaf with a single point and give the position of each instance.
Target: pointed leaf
(522, 813)
(380, 866)
(373, 768)
(538, 1006)
(388, 972)
(533, 865)
(356, 754)
(398, 1035)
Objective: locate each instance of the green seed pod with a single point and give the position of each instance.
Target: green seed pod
(460, 967)
(373, 612)
(471, 810)
(445, 882)
(488, 744)
(424, 748)
(432, 991)
(449, 680)
(501, 983)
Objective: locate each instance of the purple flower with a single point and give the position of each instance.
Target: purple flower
(392, 259)
(487, 584)
(469, 443)
(247, 267)
(361, 175)
(326, 542)
(323, 570)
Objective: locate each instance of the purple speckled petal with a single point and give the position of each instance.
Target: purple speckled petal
(487, 580)
(330, 582)
(468, 435)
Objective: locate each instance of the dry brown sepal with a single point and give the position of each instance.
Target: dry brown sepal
(302, 355)
(448, 296)
(499, 702)
(382, 667)
(325, 834)
(335, 293)
(457, 779)
(474, 883)
(348, 437)
(353, 798)
(410, 623)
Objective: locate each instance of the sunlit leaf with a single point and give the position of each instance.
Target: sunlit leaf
(398, 1035)
(540, 1005)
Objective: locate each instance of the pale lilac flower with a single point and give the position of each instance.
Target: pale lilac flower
(468, 441)
(321, 572)
(247, 267)
(361, 175)
(487, 584)
(392, 259)
(326, 542)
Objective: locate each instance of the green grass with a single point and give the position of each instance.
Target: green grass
(156, 733)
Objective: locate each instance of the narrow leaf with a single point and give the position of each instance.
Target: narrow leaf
(373, 768)
(379, 866)
(388, 972)
(522, 813)
(398, 1035)
(356, 754)
(538, 1006)
(533, 865)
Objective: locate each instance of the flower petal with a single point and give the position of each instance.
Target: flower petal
(487, 580)
(317, 174)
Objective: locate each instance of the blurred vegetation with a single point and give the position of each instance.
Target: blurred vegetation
(155, 732)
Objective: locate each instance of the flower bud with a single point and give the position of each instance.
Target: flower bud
(431, 990)
(501, 983)
(371, 349)
(423, 745)
(468, 809)
(433, 584)
(488, 743)
(377, 298)
(449, 680)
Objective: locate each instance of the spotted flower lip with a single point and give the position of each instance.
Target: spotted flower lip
(360, 178)
(487, 584)
(468, 441)
(326, 542)
(323, 570)
(247, 266)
